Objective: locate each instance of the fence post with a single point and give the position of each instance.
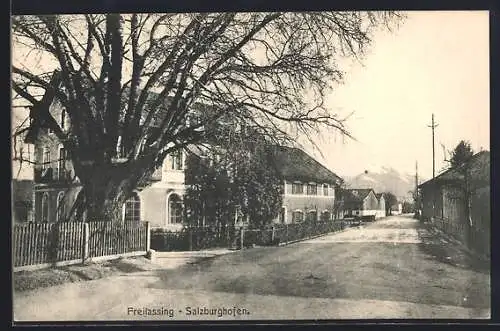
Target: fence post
(85, 251)
(272, 235)
(242, 235)
(148, 237)
(286, 234)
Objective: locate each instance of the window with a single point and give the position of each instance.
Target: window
(297, 216)
(63, 119)
(312, 189)
(60, 207)
(176, 160)
(133, 209)
(312, 216)
(45, 208)
(46, 158)
(175, 209)
(325, 189)
(297, 188)
(62, 163)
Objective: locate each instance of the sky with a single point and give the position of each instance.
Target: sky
(434, 63)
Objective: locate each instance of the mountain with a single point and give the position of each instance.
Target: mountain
(384, 179)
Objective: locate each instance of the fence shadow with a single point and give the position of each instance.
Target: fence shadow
(439, 247)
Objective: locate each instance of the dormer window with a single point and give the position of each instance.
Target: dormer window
(176, 160)
(63, 119)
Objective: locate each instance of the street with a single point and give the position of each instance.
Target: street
(392, 268)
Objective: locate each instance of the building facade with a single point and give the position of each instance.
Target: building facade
(362, 203)
(459, 198)
(381, 211)
(309, 187)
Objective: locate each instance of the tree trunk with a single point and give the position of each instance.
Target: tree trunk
(105, 188)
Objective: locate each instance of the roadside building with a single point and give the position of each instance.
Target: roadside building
(458, 201)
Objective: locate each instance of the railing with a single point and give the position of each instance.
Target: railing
(51, 243)
(43, 175)
(196, 238)
(50, 175)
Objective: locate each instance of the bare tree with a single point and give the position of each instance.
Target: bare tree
(132, 80)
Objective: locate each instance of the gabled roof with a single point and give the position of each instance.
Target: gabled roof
(291, 163)
(295, 164)
(356, 195)
(478, 169)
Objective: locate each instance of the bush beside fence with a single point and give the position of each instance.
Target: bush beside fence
(50, 243)
(197, 238)
(194, 238)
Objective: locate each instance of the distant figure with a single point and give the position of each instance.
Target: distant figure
(366, 172)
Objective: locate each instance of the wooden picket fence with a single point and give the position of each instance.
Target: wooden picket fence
(196, 238)
(44, 244)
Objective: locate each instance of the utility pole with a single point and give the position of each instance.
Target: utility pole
(416, 178)
(416, 198)
(433, 126)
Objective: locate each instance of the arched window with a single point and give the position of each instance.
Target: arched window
(60, 207)
(46, 158)
(176, 160)
(133, 209)
(297, 216)
(61, 166)
(175, 209)
(45, 208)
(325, 216)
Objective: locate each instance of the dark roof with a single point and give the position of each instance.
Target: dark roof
(295, 164)
(22, 190)
(478, 167)
(356, 195)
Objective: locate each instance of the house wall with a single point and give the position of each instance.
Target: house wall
(381, 208)
(451, 208)
(70, 194)
(305, 203)
(428, 195)
(481, 219)
(370, 205)
(47, 140)
(154, 198)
